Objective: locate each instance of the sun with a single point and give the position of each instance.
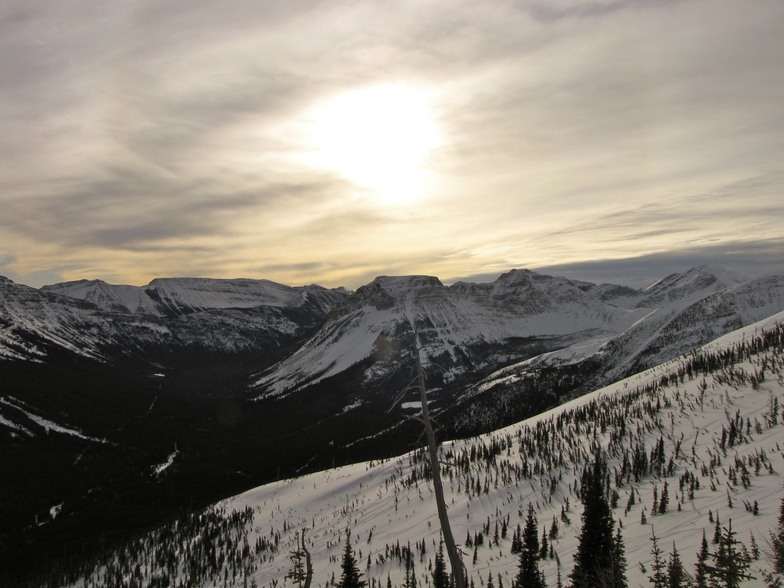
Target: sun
(377, 137)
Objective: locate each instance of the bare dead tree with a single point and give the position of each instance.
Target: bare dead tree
(308, 562)
(453, 552)
(302, 577)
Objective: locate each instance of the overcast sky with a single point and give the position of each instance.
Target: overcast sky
(330, 142)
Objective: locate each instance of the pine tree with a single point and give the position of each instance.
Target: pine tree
(701, 569)
(440, 575)
(593, 561)
(664, 501)
(730, 562)
(777, 542)
(658, 576)
(350, 576)
(529, 575)
(619, 561)
(676, 575)
(544, 546)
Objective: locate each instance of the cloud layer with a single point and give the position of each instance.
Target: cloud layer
(143, 139)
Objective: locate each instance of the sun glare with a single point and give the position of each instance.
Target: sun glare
(378, 138)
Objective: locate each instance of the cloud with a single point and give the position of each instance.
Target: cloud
(136, 134)
(749, 259)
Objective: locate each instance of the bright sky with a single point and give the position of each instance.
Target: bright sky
(330, 142)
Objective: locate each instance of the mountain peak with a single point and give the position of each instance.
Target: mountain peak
(698, 278)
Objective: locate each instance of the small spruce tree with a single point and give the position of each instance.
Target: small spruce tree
(529, 575)
(350, 576)
(658, 577)
(701, 568)
(676, 575)
(777, 542)
(440, 575)
(593, 560)
(730, 562)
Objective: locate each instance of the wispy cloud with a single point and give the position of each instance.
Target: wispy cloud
(135, 134)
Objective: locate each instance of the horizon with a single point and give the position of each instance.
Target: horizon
(588, 270)
(336, 142)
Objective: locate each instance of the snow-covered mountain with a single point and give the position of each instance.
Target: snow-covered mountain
(456, 327)
(704, 430)
(126, 396)
(467, 331)
(98, 320)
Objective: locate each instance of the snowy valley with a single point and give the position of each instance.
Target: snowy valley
(122, 407)
(693, 446)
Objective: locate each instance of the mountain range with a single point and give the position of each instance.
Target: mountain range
(121, 402)
(693, 453)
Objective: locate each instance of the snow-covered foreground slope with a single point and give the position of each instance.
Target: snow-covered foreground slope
(716, 412)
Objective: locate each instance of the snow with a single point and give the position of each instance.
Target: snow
(162, 467)
(368, 498)
(88, 317)
(384, 505)
(12, 425)
(46, 424)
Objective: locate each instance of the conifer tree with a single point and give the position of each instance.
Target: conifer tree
(543, 546)
(730, 562)
(664, 501)
(529, 575)
(658, 577)
(676, 575)
(350, 576)
(440, 575)
(619, 561)
(777, 542)
(701, 568)
(593, 561)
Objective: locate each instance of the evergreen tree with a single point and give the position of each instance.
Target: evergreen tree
(777, 542)
(440, 575)
(517, 540)
(730, 562)
(658, 577)
(665, 499)
(676, 575)
(531, 533)
(544, 546)
(701, 569)
(593, 561)
(350, 576)
(529, 575)
(619, 561)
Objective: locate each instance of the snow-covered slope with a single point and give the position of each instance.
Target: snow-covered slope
(707, 429)
(32, 322)
(108, 297)
(468, 331)
(455, 326)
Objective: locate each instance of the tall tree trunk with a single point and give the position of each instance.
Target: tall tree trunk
(449, 541)
(308, 563)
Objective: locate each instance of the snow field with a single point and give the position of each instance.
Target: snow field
(387, 503)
